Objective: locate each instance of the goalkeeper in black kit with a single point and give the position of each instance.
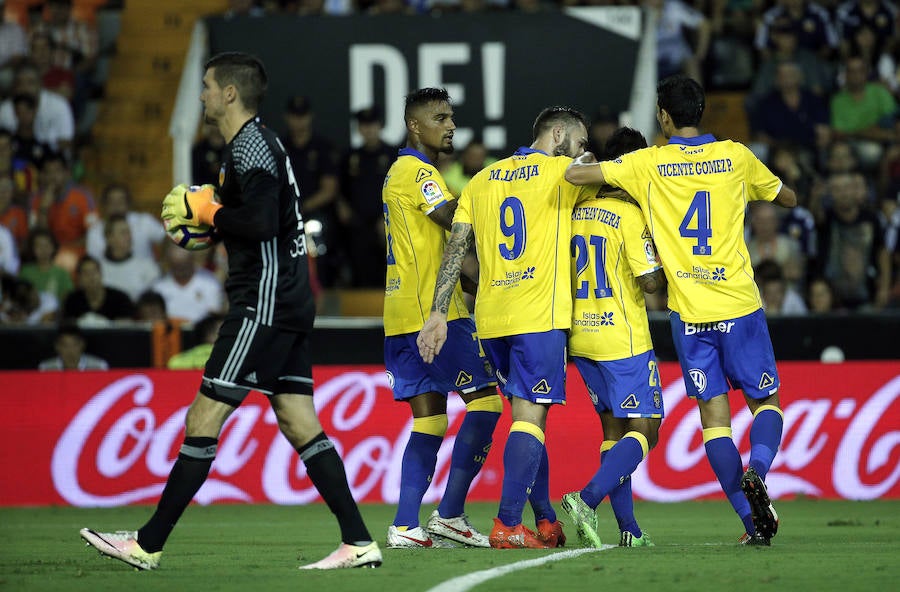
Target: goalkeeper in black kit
(264, 341)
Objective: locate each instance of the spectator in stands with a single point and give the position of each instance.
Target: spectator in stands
(54, 77)
(70, 352)
(190, 292)
(873, 18)
(820, 296)
(147, 232)
(91, 301)
(863, 112)
(851, 247)
(64, 207)
(811, 23)
(54, 122)
(150, 307)
(207, 329)
(766, 242)
(817, 73)
(206, 155)
(24, 304)
(314, 160)
(363, 170)
(841, 158)
(674, 52)
(797, 223)
(778, 296)
(23, 174)
(791, 114)
(472, 159)
(12, 215)
(9, 252)
(13, 44)
(26, 147)
(40, 269)
(122, 267)
(76, 45)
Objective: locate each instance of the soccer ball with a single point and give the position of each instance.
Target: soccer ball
(192, 238)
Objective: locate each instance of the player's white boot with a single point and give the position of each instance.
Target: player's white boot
(457, 529)
(349, 556)
(121, 545)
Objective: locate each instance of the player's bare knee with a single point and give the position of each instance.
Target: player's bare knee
(298, 429)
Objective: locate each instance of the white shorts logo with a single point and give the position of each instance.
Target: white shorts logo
(390, 378)
(699, 379)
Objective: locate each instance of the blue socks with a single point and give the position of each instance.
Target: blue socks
(419, 460)
(540, 492)
(621, 499)
(521, 460)
(726, 464)
(469, 453)
(621, 460)
(765, 437)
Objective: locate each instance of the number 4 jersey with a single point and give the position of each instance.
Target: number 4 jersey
(520, 209)
(693, 193)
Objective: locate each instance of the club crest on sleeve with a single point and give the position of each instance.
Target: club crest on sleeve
(431, 191)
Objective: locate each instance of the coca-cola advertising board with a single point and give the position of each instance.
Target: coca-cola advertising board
(109, 438)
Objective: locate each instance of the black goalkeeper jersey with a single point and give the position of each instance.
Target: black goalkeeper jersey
(262, 228)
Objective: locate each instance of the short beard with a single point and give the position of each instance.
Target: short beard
(563, 148)
(447, 149)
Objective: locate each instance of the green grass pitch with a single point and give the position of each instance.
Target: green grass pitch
(822, 545)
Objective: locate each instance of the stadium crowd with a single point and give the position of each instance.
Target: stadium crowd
(821, 83)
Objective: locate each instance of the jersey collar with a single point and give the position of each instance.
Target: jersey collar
(525, 150)
(415, 153)
(695, 141)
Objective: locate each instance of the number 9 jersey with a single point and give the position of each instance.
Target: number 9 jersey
(520, 209)
(694, 193)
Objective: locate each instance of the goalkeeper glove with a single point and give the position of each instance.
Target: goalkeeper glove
(190, 206)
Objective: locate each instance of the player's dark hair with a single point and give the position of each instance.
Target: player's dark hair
(423, 96)
(246, 72)
(622, 141)
(682, 98)
(552, 116)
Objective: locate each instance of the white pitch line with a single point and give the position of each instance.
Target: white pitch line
(469, 581)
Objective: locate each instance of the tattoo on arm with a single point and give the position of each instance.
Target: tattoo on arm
(653, 281)
(461, 239)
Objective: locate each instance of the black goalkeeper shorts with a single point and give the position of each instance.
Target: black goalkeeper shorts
(249, 356)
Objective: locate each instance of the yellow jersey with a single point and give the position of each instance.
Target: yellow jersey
(520, 209)
(693, 193)
(413, 188)
(611, 246)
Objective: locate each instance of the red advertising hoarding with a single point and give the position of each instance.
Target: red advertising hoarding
(110, 438)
